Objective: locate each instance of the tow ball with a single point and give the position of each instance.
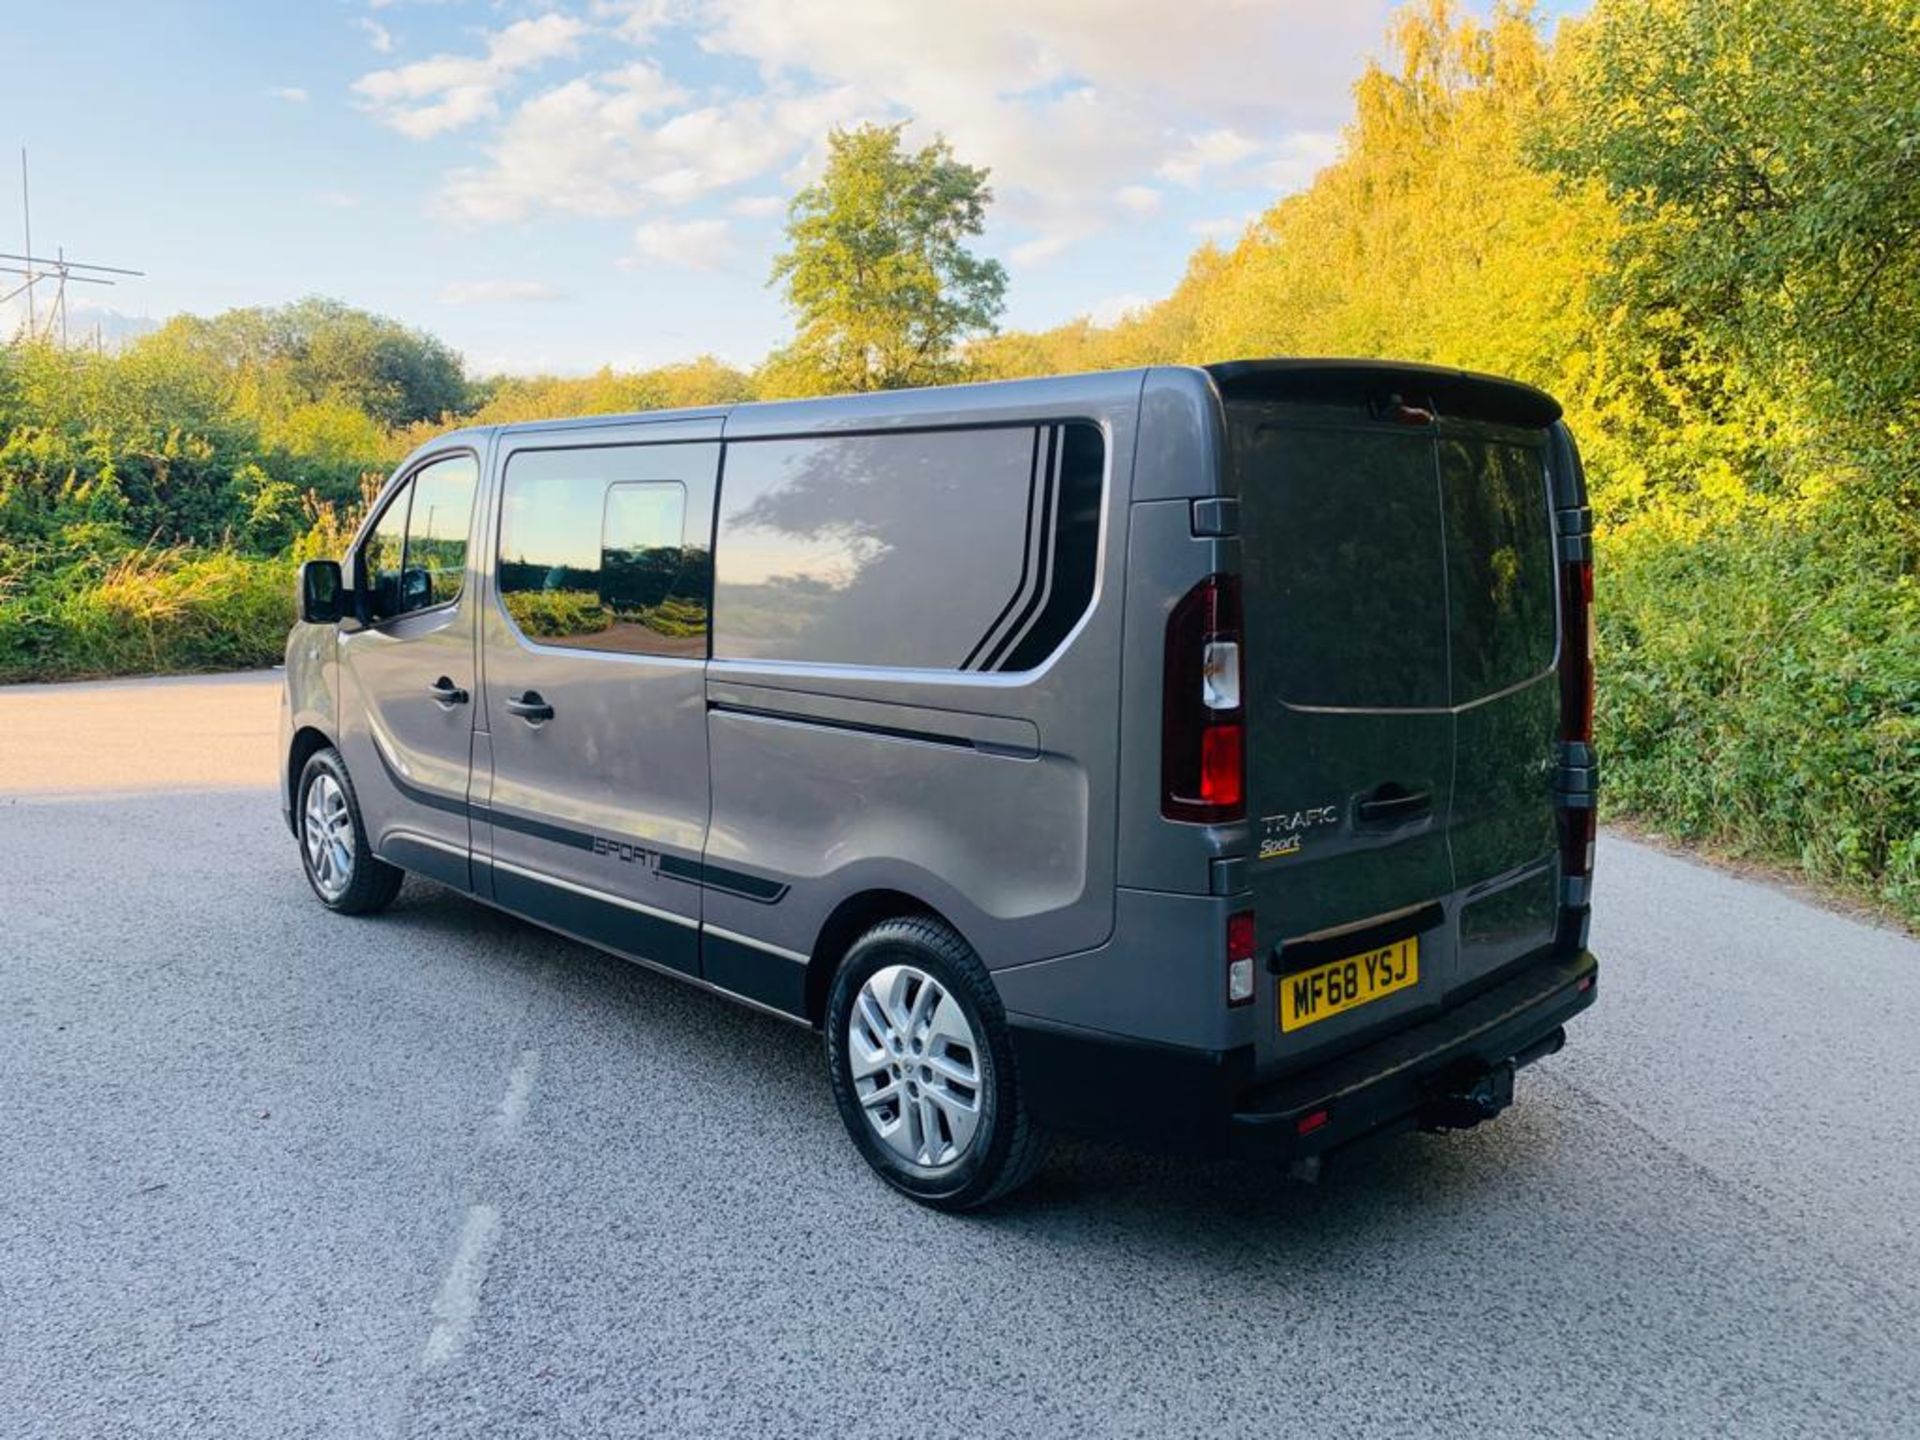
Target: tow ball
(1469, 1100)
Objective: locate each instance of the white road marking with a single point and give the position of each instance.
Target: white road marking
(459, 1297)
(513, 1105)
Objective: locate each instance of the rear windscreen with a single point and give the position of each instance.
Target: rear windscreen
(1393, 568)
(1500, 598)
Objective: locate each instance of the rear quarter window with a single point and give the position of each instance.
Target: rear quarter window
(949, 550)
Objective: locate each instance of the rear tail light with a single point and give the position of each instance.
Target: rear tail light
(1577, 824)
(1240, 958)
(1576, 652)
(1203, 761)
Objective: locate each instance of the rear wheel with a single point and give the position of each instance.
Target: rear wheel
(340, 864)
(922, 1067)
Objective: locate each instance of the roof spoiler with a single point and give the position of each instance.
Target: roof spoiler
(1462, 393)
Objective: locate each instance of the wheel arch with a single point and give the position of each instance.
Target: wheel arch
(851, 919)
(306, 742)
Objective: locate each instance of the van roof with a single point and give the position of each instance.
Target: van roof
(1487, 396)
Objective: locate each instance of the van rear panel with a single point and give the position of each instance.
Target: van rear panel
(1402, 704)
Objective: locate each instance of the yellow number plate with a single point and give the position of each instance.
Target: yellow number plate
(1333, 988)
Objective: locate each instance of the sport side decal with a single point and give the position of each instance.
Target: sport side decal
(757, 888)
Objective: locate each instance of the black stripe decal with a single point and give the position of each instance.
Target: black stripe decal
(756, 888)
(1048, 503)
(834, 722)
(1026, 559)
(432, 799)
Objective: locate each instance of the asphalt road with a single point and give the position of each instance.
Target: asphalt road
(266, 1171)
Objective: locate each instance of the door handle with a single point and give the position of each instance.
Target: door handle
(1393, 805)
(446, 692)
(530, 707)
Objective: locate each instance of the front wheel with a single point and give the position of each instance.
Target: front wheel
(923, 1070)
(340, 864)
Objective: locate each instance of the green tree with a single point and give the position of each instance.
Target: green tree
(319, 351)
(1767, 155)
(877, 270)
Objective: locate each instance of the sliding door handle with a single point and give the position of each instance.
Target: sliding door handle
(446, 692)
(530, 707)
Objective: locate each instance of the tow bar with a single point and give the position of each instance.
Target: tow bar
(1462, 1101)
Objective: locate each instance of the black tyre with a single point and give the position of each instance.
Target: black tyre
(923, 1070)
(340, 864)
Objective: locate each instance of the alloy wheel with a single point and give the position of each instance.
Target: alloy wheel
(916, 1066)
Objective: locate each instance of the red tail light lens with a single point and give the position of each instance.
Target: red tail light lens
(1240, 958)
(1203, 726)
(1223, 767)
(1576, 652)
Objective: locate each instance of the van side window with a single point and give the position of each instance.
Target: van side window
(415, 556)
(437, 530)
(946, 550)
(598, 563)
(383, 556)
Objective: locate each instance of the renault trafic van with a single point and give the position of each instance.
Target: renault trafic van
(1193, 757)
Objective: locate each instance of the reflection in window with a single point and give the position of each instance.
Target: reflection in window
(437, 531)
(1500, 590)
(383, 555)
(600, 566)
(898, 550)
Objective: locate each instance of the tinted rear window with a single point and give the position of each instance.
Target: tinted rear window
(1500, 597)
(1343, 565)
(1390, 569)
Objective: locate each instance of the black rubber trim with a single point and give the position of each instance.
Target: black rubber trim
(1168, 1098)
(756, 888)
(772, 980)
(1204, 1102)
(602, 922)
(858, 727)
(1389, 1082)
(429, 860)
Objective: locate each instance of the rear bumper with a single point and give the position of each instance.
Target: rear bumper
(1202, 1102)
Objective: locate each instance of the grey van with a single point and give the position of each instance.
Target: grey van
(1193, 757)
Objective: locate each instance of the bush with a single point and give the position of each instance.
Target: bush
(1760, 690)
(146, 612)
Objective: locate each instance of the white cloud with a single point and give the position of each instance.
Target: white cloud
(1219, 149)
(695, 244)
(446, 92)
(337, 199)
(595, 146)
(1141, 200)
(758, 207)
(498, 292)
(292, 94)
(635, 21)
(378, 36)
(1222, 227)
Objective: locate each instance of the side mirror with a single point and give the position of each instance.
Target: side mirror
(322, 593)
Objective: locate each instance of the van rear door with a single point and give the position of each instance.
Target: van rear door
(1400, 620)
